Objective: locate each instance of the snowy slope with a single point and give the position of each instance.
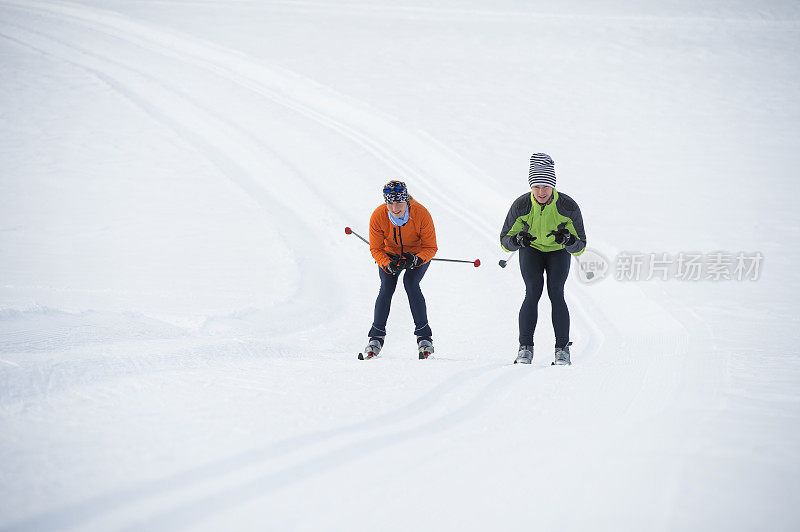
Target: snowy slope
(180, 308)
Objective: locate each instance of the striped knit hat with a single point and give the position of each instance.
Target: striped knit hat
(542, 171)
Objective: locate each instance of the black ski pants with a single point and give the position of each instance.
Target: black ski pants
(534, 264)
(419, 311)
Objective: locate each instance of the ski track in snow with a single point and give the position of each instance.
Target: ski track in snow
(337, 447)
(220, 140)
(238, 153)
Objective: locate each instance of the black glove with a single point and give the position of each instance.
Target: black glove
(562, 236)
(524, 239)
(397, 263)
(412, 261)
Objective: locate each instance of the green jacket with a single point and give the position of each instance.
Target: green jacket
(526, 214)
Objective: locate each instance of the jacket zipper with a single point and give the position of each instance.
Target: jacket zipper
(395, 232)
(401, 240)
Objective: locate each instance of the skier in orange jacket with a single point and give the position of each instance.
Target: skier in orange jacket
(401, 237)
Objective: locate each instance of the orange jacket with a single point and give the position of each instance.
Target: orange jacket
(417, 236)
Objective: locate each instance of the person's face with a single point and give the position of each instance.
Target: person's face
(542, 193)
(398, 208)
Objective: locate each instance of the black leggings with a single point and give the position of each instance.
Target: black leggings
(533, 264)
(416, 300)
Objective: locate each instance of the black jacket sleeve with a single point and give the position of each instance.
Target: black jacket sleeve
(569, 208)
(518, 209)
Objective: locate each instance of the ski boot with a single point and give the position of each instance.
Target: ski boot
(425, 347)
(373, 348)
(562, 356)
(525, 355)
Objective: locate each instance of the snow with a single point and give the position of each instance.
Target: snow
(180, 308)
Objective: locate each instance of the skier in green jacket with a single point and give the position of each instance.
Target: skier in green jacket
(546, 227)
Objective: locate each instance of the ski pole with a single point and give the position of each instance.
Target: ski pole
(476, 262)
(504, 262)
(348, 231)
(501, 262)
